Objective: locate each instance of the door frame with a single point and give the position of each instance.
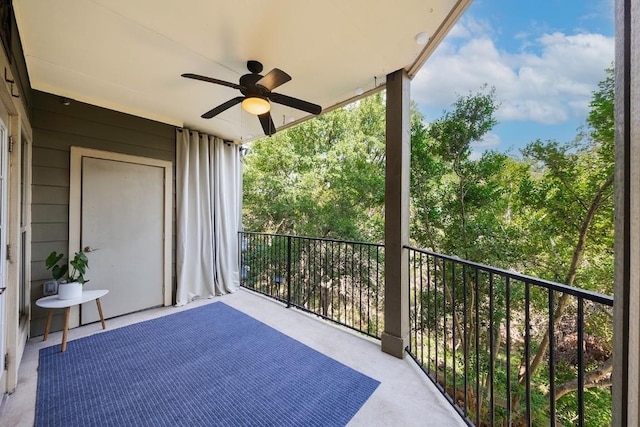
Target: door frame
(75, 209)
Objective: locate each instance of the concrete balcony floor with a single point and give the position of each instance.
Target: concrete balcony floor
(405, 396)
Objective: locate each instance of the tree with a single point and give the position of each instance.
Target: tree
(323, 178)
(548, 215)
(570, 190)
(459, 204)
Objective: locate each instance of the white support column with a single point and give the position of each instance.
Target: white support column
(398, 147)
(626, 372)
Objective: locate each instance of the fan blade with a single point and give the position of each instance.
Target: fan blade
(211, 80)
(267, 124)
(296, 103)
(222, 107)
(273, 79)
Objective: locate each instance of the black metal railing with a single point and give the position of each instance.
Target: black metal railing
(337, 280)
(504, 347)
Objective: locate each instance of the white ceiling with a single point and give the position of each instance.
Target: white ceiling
(128, 55)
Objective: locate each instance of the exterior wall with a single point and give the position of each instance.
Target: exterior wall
(56, 128)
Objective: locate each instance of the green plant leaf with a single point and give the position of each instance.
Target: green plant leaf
(53, 259)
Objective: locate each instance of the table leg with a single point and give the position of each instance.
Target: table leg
(48, 326)
(104, 326)
(66, 328)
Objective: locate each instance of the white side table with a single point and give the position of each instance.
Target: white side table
(53, 302)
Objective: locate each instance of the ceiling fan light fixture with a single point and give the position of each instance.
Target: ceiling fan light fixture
(257, 94)
(256, 105)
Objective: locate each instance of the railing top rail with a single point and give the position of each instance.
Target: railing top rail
(324, 239)
(577, 292)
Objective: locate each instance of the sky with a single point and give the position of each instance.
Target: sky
(544, 58)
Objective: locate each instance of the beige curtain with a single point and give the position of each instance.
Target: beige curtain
(208, 215)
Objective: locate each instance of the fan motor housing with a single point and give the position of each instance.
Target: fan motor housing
(249, 87)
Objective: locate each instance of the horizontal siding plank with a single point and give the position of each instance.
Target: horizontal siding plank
(96, 130)
(45, 175)
(51, 104)
(41, 250)
(62, 141)
(57, 158)
(43, 214)
(50, 232)
(39, 272)
(49, 195)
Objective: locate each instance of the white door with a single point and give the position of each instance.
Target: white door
(122, 234)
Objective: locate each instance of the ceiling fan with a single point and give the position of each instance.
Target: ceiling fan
(256, 90)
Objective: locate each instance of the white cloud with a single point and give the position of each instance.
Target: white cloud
(490, 140)
(550, 80)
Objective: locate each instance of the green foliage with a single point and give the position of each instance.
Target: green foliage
(57, 271)
(461, 205)
(469, 122)
(79, 265)
(601, 115)
(558, 194)
(324, 178)
(548, 214)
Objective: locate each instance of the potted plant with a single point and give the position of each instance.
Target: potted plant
(71, 286)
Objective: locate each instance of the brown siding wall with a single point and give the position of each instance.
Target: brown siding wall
(56, 128)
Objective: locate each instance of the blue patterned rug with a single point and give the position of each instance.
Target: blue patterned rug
(208, 366)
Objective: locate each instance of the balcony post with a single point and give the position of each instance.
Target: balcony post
(626, 336)
(395, 337)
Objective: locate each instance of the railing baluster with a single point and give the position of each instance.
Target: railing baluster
(353, 293)
(377, 288)
(261, 264)
(413, 341)
(465, 339)
(507, 303)
(369, 290)
(314, 283)
(428, 312)
(288, 271)
(360, 287)
(477, 349)
(444, 318)
(339, 278)
(346, 257)
(333, 278)
(527, 352)
(552, 363)
(421, 307)
(580, 343)
(453, 326)
(435, 314)
(492, 356)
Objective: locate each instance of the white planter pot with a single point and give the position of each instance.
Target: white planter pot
(71, 290)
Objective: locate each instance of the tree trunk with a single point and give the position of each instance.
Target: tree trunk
(457, 325)
(599, 377)
(495, 347)
(575, 262)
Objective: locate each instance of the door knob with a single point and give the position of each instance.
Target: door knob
(89, 249)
